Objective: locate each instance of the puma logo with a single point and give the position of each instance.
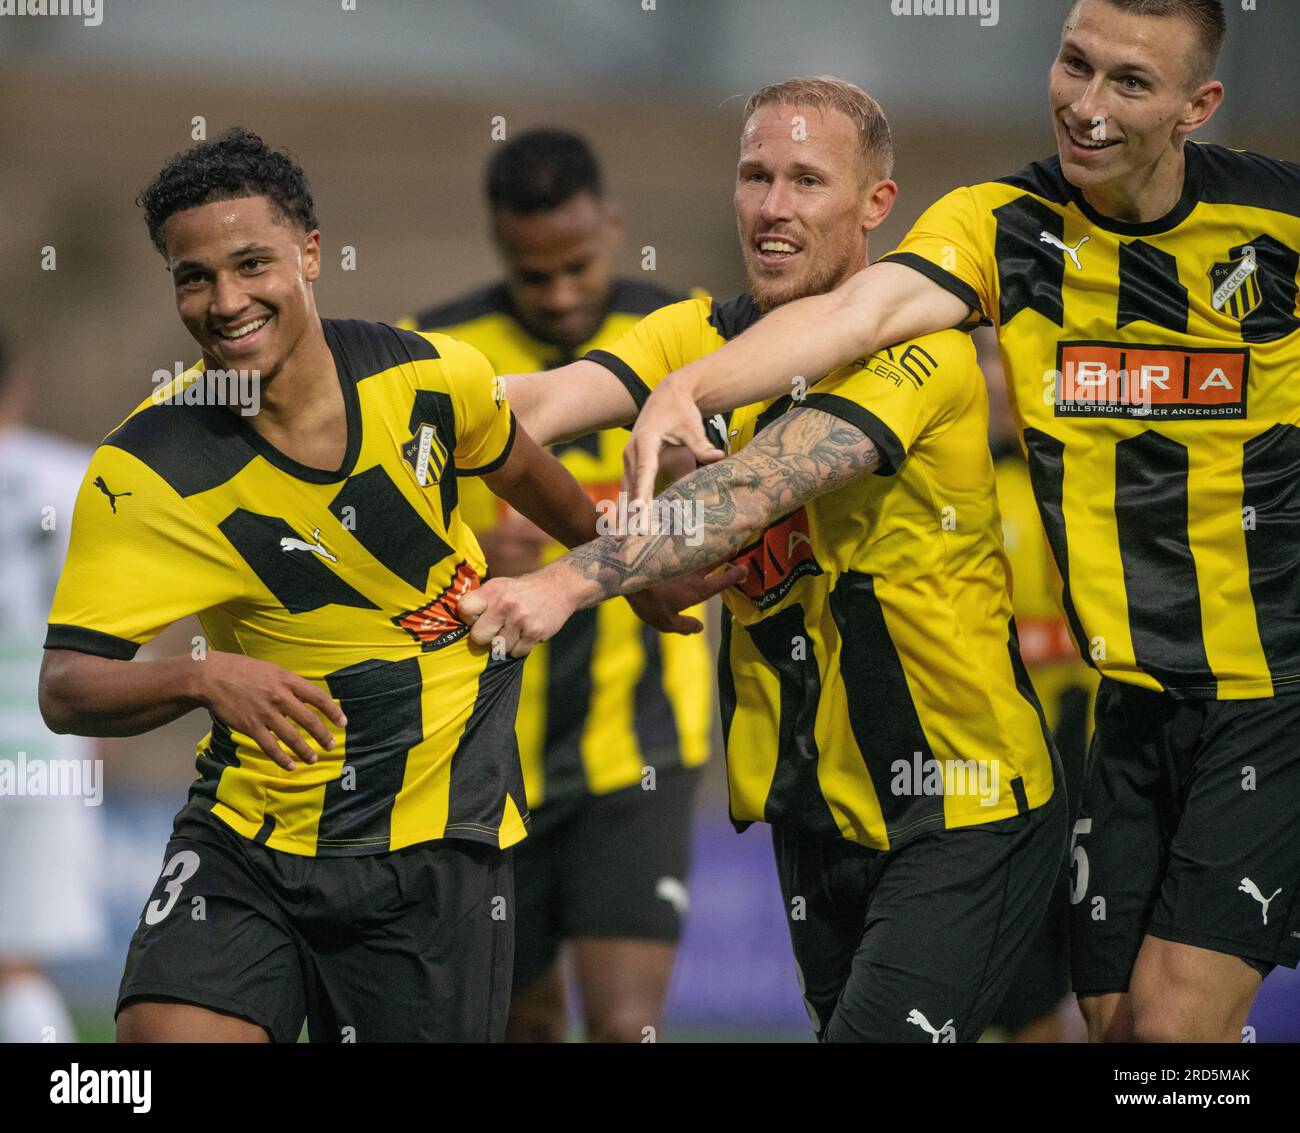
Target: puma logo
(1248, 886)
(719, 422)
(288, 543)
(670, 889)
(113, 497)
(945, 1034)
(1073, 253)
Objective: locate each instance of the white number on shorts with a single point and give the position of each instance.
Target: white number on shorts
(184, 865)
(1079, 861)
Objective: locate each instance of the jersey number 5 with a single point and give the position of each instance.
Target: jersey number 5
(1079, 861)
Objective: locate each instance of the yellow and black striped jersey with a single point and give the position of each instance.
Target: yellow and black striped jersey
(1148, 366)
(1066, 686)
(607, 695)
(870, 680)
(349, 579)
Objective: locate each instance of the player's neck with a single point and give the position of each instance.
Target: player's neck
(1146, 194)
(305, 382)
(303, 412)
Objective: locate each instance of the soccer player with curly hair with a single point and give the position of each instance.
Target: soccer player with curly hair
(344, 855)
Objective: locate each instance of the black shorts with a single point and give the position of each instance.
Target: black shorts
(1189, 831)
(604, 866)
(917, 944)
(408, 946)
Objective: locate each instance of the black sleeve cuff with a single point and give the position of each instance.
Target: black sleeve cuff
(482, 470)
(892, 453)
(623, 372)
(90, 641)
(949, 282)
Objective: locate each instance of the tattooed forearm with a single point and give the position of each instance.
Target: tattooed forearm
(801, 455)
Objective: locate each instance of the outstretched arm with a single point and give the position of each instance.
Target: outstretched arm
(800, 456)
(570, 401)
(798, 343)
(541, 489)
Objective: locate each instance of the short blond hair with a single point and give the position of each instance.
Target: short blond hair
(826, 92)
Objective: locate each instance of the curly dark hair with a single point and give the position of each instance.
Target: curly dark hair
(235, 165)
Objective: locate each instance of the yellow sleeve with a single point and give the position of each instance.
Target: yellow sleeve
(138, 560)
(901, 393)
(485, 427)
(664, 341)
(952, 245)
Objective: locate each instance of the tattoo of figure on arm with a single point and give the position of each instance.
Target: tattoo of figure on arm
(799, 456)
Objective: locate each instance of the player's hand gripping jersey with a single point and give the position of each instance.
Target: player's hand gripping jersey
(1152, 371)
(870, 681)
(347, 578)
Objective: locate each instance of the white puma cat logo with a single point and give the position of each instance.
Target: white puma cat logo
(720, 423)
(1248, 886)
(945, 1034)
(288, 543)
(1073, 253)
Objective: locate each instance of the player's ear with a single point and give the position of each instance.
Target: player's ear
(877, 201)
(1200, 109)
(311, 255)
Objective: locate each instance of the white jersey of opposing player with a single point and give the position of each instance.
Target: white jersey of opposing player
(51, 903)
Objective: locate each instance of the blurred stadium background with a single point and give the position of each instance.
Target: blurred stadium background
(390, 109)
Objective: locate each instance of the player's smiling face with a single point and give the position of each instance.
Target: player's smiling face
(803, 205)
(559, 265)
(1123, 99)
(243, 273)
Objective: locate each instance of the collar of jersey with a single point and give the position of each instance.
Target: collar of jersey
(1192, 178)
(351, 405)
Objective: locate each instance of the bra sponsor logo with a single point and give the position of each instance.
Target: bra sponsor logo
(1108, 379)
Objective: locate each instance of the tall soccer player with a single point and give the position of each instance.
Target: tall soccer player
(875, 708)
(613, 717)
(1143, 289)
(344, 853)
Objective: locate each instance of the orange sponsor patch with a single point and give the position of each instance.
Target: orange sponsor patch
(781, 556)
(435, 624)
(1109, 379)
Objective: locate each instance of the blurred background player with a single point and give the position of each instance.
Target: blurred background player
(606, 863)
(1039, 1007)
(50, 898)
